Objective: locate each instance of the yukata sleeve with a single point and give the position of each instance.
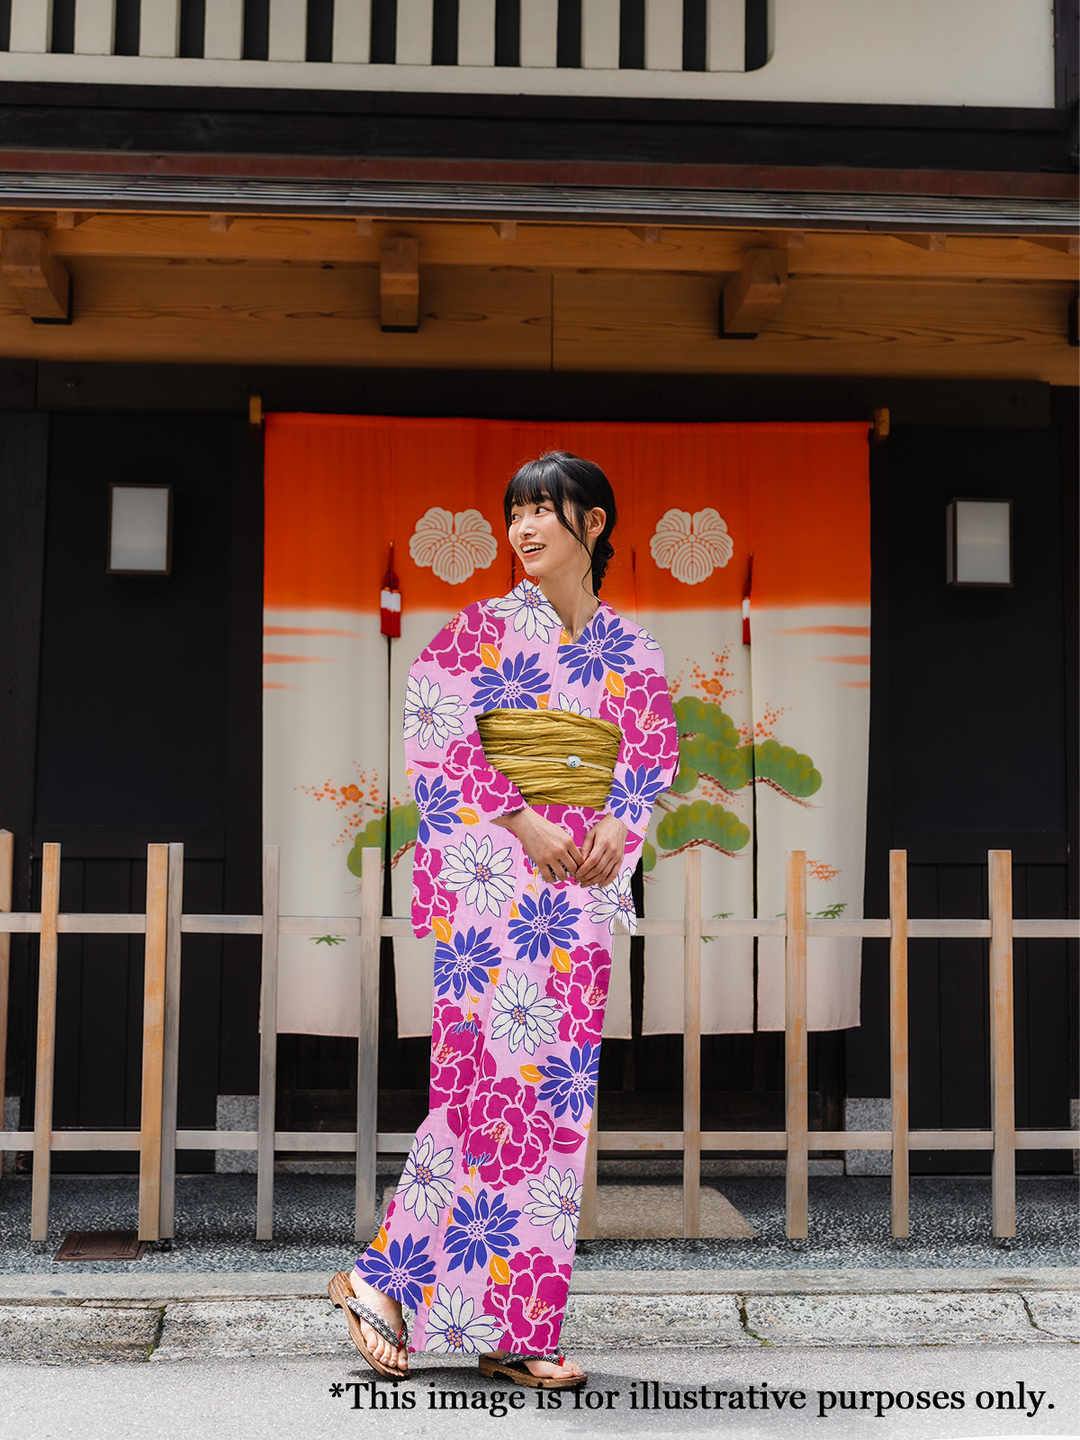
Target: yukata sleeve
(453, 786)
(649, 752)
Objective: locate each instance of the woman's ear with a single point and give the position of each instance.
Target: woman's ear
(595, 521)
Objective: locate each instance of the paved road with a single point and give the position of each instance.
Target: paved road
(295, 1399)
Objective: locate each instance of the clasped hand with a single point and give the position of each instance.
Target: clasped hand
(555, 855)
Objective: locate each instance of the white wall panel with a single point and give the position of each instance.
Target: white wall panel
(663, 34)
(476, 32)
(224, 32)
(540, 33)
(352, 31)
(159, 28)
(725, 35)
(414, 20)
(288, 30)
(600, 34)
(31, 26)
(95, 25)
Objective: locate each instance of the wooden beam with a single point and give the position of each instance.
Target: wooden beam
(38, 279)
(399, 284)
(751, 296)
(934, 242)
(1064, 244)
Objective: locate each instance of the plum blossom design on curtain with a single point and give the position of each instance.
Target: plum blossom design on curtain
(453, 544)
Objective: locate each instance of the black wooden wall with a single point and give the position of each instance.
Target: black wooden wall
(131, 710)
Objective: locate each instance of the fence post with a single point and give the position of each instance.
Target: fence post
(898, 1039)
(587, 1215)
(264, 1199)
(367, 1049)
(7, 868)
(157, 902)
(170, 1071)
(46, 1044)
(1002, 1098)
(795, 1045)
(692, 1047)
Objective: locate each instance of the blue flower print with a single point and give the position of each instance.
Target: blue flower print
(437, 805)
(401, 1271)
(542, 924)
(633, 796)
(513, 686)
(570, 1084)
(475, 1231)
(465, 962)
(604, 645)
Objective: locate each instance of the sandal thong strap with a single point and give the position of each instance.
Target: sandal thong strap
(378, 1324)
(520, 1359)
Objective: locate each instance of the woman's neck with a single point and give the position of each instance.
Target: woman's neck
(574, 604)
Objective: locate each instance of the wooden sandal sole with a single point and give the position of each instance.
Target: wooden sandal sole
(501, 1369)
(340, 1291)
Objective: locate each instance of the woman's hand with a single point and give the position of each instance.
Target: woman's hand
(602, 852)
(549, 847)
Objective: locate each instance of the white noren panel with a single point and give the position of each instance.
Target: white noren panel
(31, 26)
(159, 28)
(476, 32)
(725, 35)
(663, 34)
(288, 30)
(95, 26)
(540, 33)
(352, 31)
(414, 28)
(599, 34)
(223, 37)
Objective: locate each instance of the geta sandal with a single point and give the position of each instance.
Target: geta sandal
(344, 1298)
(513, 1367)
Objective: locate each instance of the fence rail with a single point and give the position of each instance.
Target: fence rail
(164, 924)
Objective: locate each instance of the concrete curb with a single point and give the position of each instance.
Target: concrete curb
(225, 1316)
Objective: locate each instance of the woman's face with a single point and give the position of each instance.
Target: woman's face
(544, 545)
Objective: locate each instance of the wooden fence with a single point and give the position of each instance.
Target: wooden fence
(164, 924)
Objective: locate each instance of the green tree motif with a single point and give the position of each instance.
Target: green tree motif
(404, 822)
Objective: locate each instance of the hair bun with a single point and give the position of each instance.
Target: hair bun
(603, 551)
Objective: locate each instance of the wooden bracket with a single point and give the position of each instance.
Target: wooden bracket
(1065, 244)
(220, 223)
(505, 229)
(72, 219)
(399, 284)
(796, 240)
(924, 242)
(255, 411)
(751, 296)
(364, 225)
(39, 280)
(647, 234)
(879, 424)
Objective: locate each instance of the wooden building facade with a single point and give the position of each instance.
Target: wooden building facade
(593, 210)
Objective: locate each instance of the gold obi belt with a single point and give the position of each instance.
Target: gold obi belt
(554, 757)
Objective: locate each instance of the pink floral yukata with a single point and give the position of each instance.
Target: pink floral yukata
(479, 1238)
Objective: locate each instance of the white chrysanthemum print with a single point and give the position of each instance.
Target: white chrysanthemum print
(454, 1328)
(614, 902)
(691, 546)
(567, 702)
(483, 872)
(556, 1204)
(424, 1188)
(649, 642)
(523, 1017)
(454, 544)
(429, 714)
(533, 614)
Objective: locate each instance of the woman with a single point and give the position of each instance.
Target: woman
(538, 732)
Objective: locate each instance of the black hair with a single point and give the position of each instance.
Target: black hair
(569, 482)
